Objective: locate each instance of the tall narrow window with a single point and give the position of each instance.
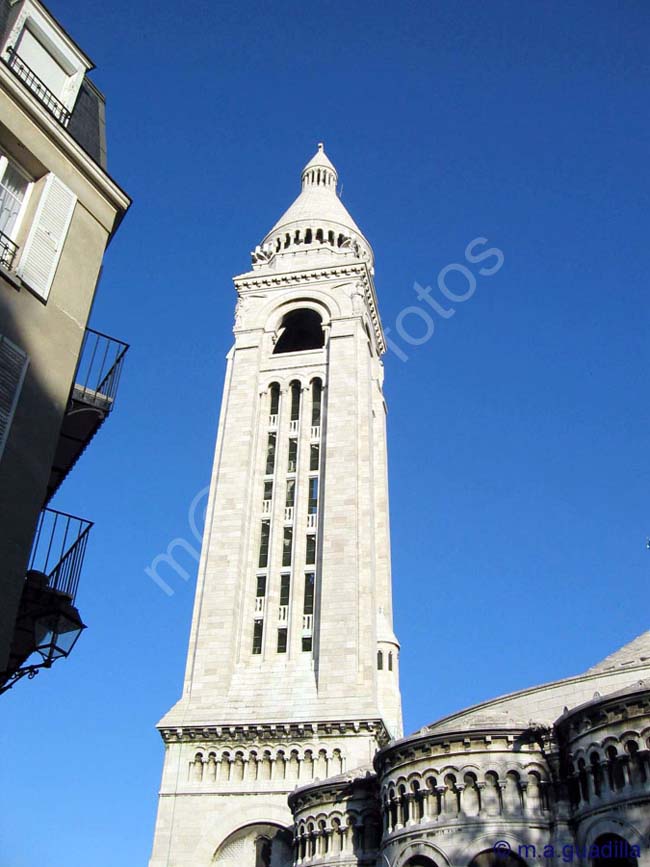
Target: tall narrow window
(264, 544)
(285, 586)
(274, 403)
(295, 401)
(261, 586)
(270, 454)
(316, 393)
(13, 365)
(13, 188)
(310, 556)
(308, 612)
(312, 507)
(390, 661)
(258, 631)
(308, 604)
(314, 456)
(287, 543)
(291, 492)
(268, 490)
(282, 639)
(293, 456)
(380, 660)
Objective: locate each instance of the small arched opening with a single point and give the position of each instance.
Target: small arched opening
(610, 850)
(499, 858)
(420, 861)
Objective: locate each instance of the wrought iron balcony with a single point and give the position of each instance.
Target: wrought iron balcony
(92, 398)
(48, 624)
(8, 251)
(42, 92)
(58, 551)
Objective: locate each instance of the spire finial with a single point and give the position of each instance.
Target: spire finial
(321, 146)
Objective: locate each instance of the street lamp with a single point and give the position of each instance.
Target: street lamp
(48, 624)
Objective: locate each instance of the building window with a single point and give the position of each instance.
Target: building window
(264, 545)
(310, 556)
(274, 403)
(282, 639)
(300, 330)
(312, 507)
(268, 490)
(306, 643)
(270, 454)
(314, 457)
(13, 191)
(261, 586)
(13, 365)
(390, 661)
(295, 401)
(258, 632)
(316, 395)
(380, 660)
(285, 586)
(308, 603)
(291, 492)
(287, 543)
(293, 456)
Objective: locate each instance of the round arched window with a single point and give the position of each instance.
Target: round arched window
(300, 331)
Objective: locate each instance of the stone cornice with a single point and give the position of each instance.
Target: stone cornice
(429, 745)
(275, 731)
(321, 791)
(604, 712)
(252, 281)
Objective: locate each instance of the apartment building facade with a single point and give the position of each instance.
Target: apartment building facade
(59, 209)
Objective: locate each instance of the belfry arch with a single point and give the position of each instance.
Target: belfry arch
(300, 330)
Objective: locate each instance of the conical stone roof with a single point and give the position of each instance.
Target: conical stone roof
(318, 207)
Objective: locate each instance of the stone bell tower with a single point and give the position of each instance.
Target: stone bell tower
(292, 669)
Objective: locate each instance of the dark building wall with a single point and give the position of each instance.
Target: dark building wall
(87, 124)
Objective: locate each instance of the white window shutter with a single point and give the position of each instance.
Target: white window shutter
(45, 241)
(13, 364)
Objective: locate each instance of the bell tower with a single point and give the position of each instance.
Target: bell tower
(292, 669)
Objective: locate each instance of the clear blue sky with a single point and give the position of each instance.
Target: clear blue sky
(518, 434)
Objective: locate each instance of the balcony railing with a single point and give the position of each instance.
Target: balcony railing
(99, 369)
(260, 605)
(29, 78)
(273, 421)
(293, 426)
(315, 432)
(58, 550)
(307, 624)
(312, 521)
(288, 514)
(8, 251)
(283, 614)
(92, 398)
(266, 507)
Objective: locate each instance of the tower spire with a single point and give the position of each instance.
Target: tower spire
(317, 228)
(320, 171)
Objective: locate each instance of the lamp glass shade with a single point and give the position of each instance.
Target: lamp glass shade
(56, 633)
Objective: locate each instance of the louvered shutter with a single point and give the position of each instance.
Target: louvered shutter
(13, 364)
(45, 242)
